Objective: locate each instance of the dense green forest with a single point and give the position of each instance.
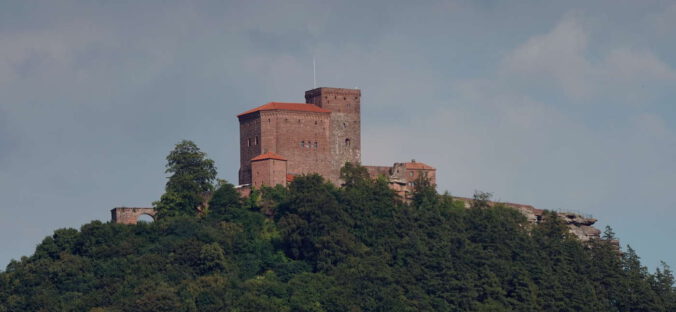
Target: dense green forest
(316, 247)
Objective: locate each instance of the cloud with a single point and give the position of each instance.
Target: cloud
(665, 20)
(560, 58)
(558, 55)
(631, 66)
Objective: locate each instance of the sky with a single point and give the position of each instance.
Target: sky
(564, 105)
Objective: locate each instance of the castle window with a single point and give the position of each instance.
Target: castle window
(347, 142)
(302, 143)
(308, 144)
(298, 120)
(248, 142)
(256, 141)
(315, 122)
(344, 98)
(344, 125)
(316, 145)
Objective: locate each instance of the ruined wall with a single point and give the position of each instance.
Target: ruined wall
(402, 176)
(345, 128)
(411, 171)
(129, 215)
(376, 171)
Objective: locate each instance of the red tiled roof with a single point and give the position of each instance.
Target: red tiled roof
(268, 155)
(289, 178)
(418, 165)
(286, 106)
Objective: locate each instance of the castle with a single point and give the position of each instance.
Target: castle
(281, 140)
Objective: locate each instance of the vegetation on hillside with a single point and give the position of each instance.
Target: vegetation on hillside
(316, 247)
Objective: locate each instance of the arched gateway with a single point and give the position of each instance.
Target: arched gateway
(129, 215)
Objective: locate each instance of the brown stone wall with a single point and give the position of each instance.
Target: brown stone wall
(403, 178)
(249, 144)
(300, 137)
(345, 128)
(129, 215)
(268, 172)
(376, 171)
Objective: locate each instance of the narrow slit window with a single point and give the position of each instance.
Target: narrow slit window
(302, 143)
(347, 142)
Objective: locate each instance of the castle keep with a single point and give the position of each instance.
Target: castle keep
(281, 140)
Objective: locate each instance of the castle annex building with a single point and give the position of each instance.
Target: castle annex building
(281, 140)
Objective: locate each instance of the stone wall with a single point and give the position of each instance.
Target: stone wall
(402, 176)
(268, 172)
(249, 144)
(129, 215)
(300, 137)
(345, 128)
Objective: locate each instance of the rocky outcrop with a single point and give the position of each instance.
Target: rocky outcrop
(578, 225)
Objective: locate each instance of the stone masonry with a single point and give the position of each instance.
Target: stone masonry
(345, 125)
(129, 215)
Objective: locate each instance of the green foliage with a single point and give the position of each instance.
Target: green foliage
(190, 169)
(225, 200)
(192, 177)
(315, 247)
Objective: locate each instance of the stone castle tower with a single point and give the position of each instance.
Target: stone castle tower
(318, 136)
(345, 124)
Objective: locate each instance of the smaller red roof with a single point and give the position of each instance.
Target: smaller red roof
(286, 106)
(268, 155)
(418, 165)
(289, 178)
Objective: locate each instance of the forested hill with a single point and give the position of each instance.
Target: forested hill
(315, 247)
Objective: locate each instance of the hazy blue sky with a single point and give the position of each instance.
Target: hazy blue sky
(565, 105)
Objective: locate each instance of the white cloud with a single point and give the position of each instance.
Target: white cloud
(631, 66)
(561, 58)
(665, 20)
(558, 55)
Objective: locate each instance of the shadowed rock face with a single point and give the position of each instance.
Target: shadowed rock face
(578, 225)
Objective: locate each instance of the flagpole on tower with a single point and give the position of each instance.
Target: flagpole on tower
(314, 73)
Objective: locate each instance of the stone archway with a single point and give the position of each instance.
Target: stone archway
(129, 215)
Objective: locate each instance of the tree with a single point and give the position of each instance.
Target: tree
(424, 193)
(225, 199)
(192, 177)
(354, 175)
(190, 168)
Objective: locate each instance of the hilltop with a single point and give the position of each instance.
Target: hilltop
(313, 246)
